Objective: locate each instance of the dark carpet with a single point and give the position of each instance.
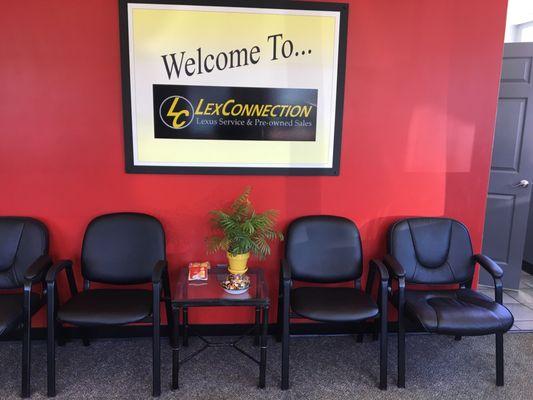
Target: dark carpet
(321, 368)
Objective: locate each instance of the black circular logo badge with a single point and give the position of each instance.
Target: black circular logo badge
(176, 112)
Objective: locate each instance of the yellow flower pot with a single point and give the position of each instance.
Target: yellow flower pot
(237, 263)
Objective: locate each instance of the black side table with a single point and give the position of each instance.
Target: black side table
(211, 294)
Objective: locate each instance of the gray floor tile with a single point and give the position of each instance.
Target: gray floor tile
(526, 281)
(523, 296)
(524, 325)
(506, 297)
(520, 312)
(484, 287)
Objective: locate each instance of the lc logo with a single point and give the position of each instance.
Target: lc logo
(176, 112)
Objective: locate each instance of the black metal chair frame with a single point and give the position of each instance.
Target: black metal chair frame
(398, 273)
(34, 274)
(160, 285)
(284, 316)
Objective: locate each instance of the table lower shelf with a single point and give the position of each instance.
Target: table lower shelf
(260, 340)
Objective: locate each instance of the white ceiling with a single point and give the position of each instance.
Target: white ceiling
(519, 11)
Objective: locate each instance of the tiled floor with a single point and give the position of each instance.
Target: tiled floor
(519, 302)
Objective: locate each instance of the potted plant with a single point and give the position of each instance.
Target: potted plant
(240, 232)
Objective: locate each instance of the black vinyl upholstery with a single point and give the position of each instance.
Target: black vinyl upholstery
(439, 251)
(327, 249)
(24, 261)
(324, 248)
(107, 307)
(122, 248)
(457, 312)
(432, 250)
(119, 249)
(333, 304)
(22, 241)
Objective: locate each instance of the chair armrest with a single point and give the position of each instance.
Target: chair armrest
(377, 265)
(397, 272)
(285, 271)
(37, 270)
(380, 267)
(51, 276)
(497, 273)
(158, 271)
(394, 267)
(489, 265)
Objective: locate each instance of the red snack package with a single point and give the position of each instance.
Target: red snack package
(198, 271)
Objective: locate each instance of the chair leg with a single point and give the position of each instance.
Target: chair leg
(168, 305)
(85, 336)
(384, 335)
(499, 359)
(156, 345)
(279, 316)
(376, 323)
(383, 341)
(26, 348)
(51, 361)
(285, 345)
(60, 334)
(401, 342)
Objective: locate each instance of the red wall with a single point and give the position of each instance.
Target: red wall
(421, 88)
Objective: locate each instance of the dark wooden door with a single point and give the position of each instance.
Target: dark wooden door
(511, 171)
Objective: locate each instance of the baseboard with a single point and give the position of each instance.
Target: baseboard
(528, 267)
(130, 331)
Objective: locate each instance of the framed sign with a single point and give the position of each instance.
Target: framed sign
(233, 87)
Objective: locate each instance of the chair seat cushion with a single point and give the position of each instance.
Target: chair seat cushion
(107, 307)
(11, 308)
(332, 304)
(457, 312)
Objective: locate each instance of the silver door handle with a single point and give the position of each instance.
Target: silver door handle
(524, 183)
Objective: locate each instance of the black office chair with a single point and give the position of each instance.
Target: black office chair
(433, 251)
(327, 249)
(24, 261)
(118, 249)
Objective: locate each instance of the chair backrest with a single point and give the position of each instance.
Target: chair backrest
(324, 248)
(432, 250)
(122, 248)
(22, 241)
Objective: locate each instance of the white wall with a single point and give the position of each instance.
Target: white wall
(519, 26)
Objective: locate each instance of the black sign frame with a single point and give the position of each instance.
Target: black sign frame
(334, 170)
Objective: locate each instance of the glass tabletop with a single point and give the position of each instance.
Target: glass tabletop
(210, 292)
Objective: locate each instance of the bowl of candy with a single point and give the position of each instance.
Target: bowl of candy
(236, 284)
